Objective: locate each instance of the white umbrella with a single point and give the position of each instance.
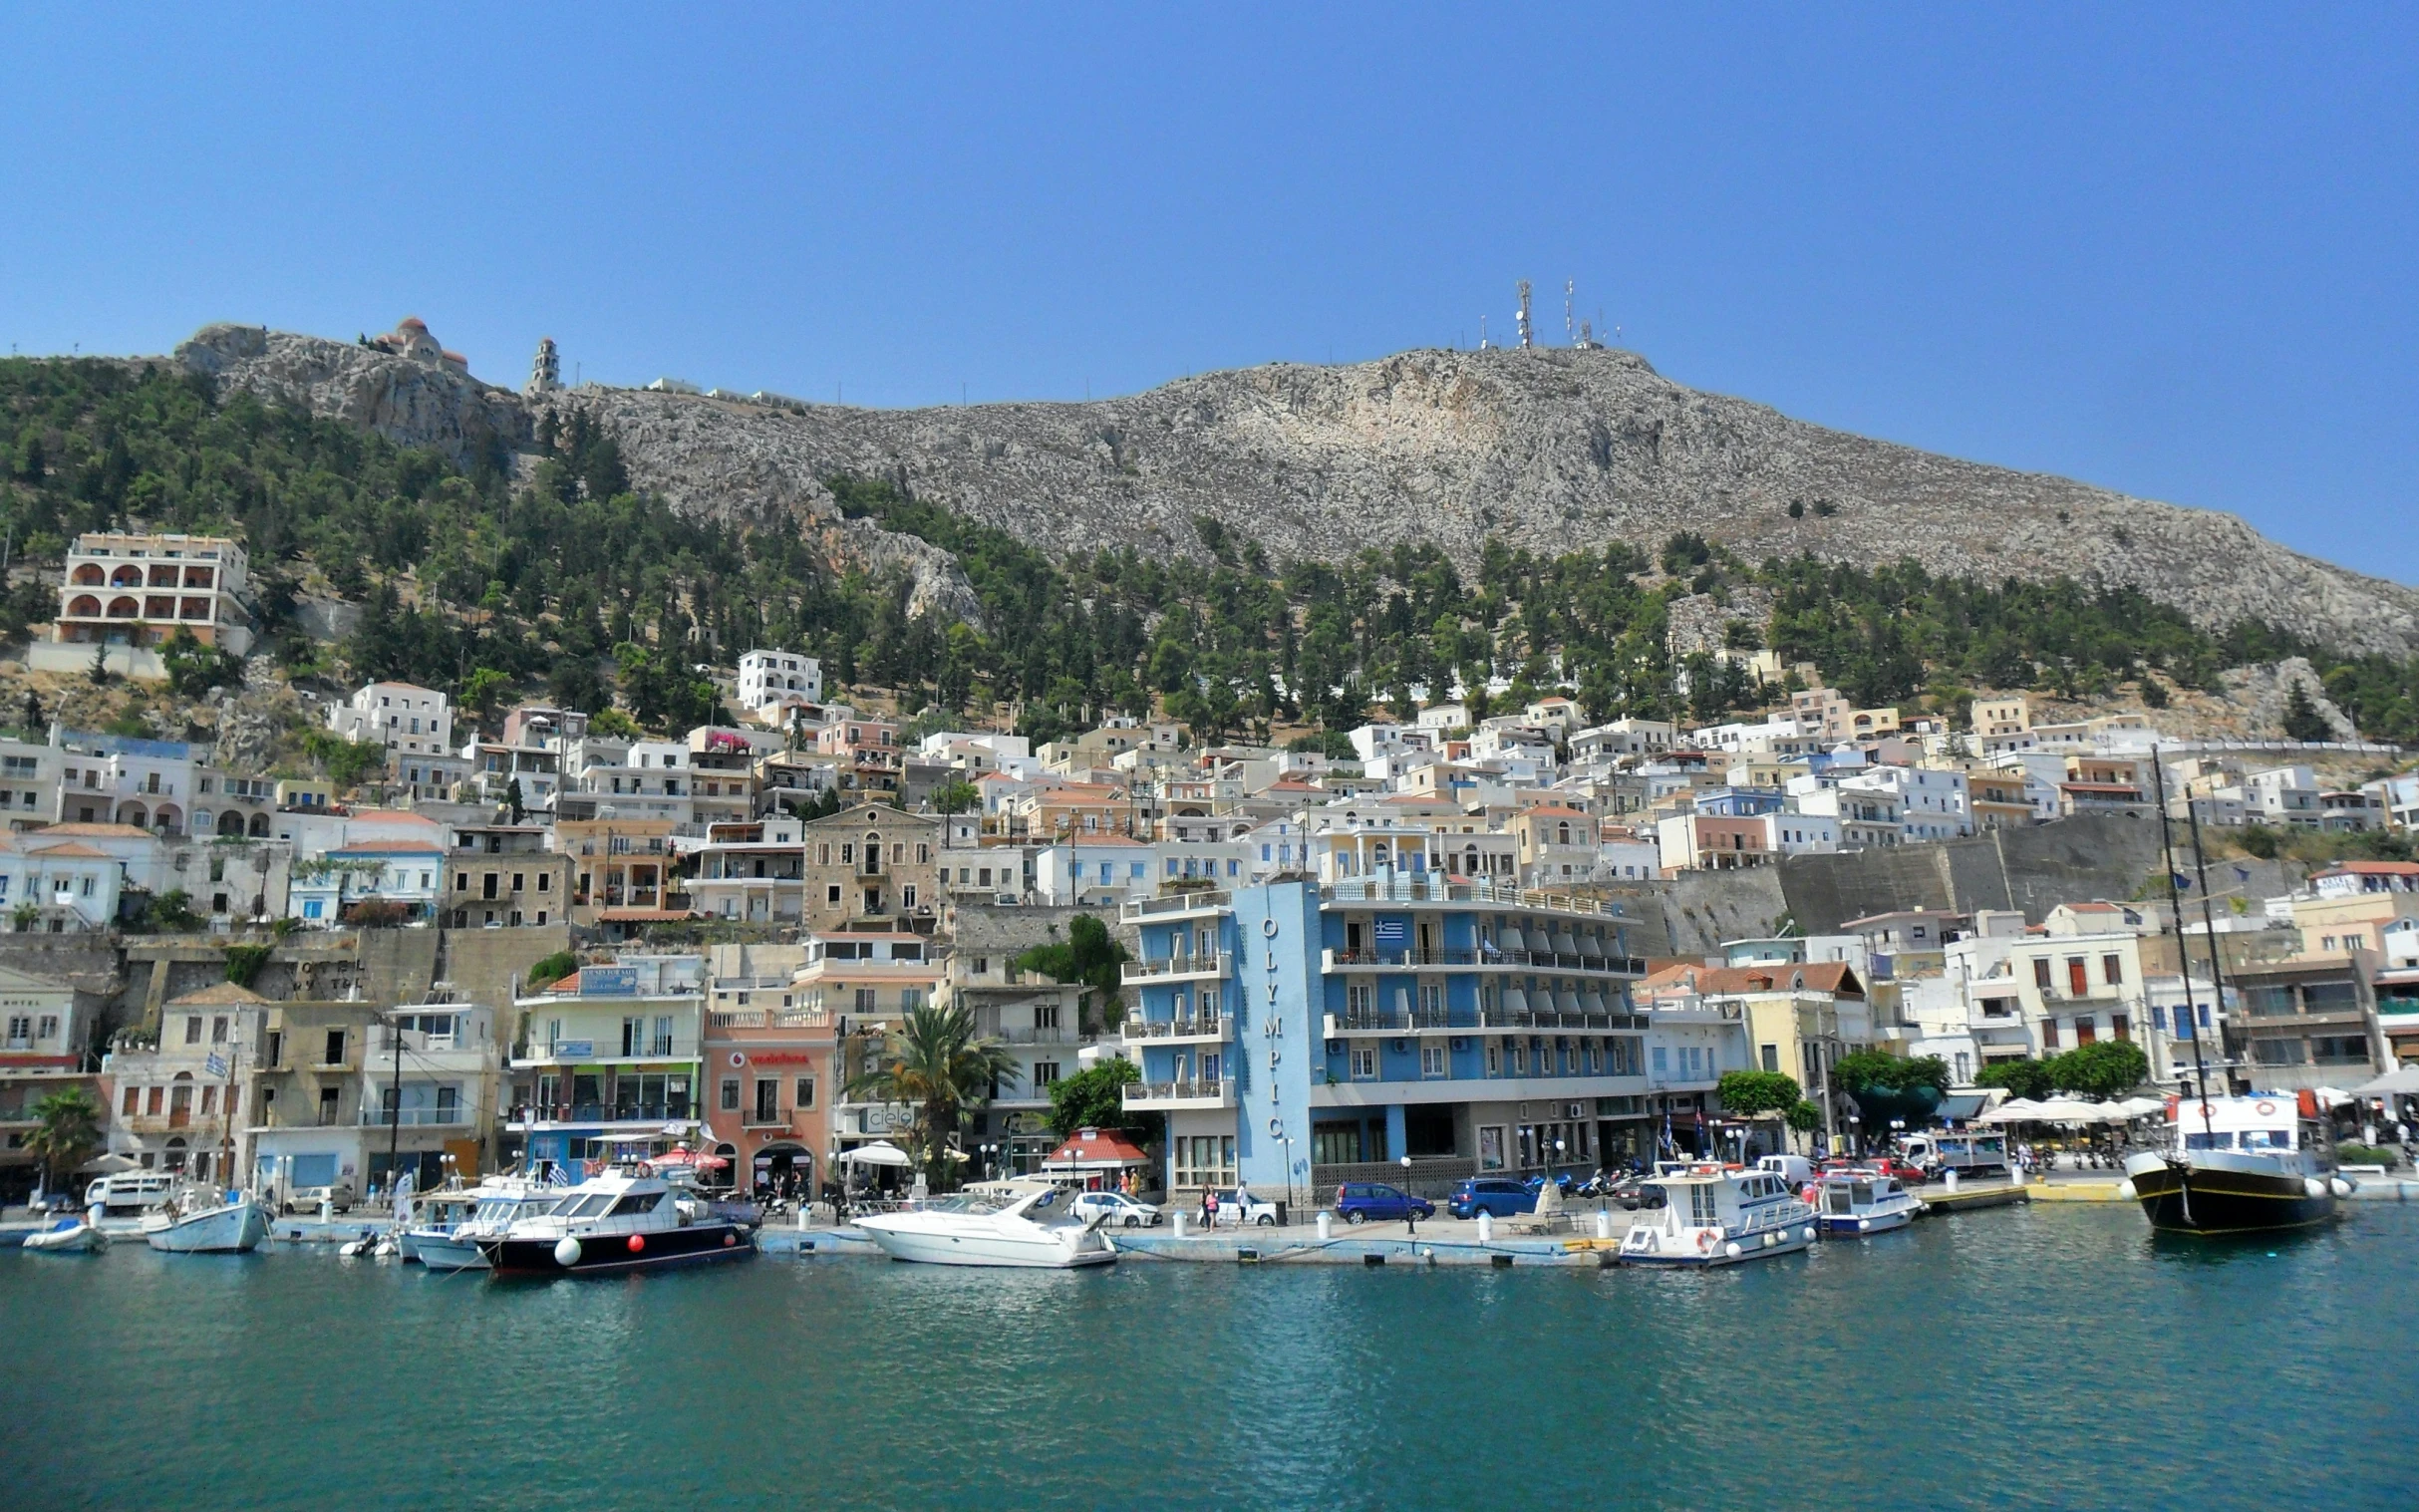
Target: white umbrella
(110, 1163)
(2404, 1083)
(2074, 1110)
(2141, 1108)
(880, 1152)
(2015, 1110)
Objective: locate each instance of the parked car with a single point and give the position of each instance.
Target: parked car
(1888, 1165)
(1114, 1209)
(1369, 1201)
(1498, 1196)
(306, 1199)
(1242, 1209)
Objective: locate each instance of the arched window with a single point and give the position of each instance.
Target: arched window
(90, 575)
(84, 606)
(1562, 834)
(124, 609)
(129, 576)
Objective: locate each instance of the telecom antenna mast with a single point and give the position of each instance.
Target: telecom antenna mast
(1523, 316)
(1568, 286)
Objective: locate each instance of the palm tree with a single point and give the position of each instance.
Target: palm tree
(938, 1065)
(70, 1128)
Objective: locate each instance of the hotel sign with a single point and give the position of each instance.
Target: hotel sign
(608, 982)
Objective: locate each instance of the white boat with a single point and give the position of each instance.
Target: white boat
(448, 1239)
(1849, 1203)
(68, 1236)
(967, 1230)
(2238, 1165)
(617, 1222)
(1711, 1216)
(233, 1225)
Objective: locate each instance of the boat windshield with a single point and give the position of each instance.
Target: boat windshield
(498, 1208)
(960, 1202)
(590, 1205)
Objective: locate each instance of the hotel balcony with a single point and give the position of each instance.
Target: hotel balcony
(1377, 1022)
(1432, 889)
(1208, 1029)
(1179, 968)
(1467, 960)
(1203, 904)
(1177, 1096)
(415, 1117)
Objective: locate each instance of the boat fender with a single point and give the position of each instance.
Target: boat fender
(2314, 1186)
(1731, 1250)
(2343, 1187)
(730, 1238)
(2126, 1191)
(638, 1242)
(1862, 1224)
(566, 1252)
(1809, 1234)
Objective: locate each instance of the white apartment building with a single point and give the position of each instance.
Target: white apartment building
(2284, 796)
(133, 593)
(773, 679)
(1932, 805)
(29, 783)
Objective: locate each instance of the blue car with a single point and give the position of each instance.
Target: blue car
(1368, 1202)
(1498, 1196)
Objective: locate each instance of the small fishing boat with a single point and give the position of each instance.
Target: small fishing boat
(1850, 1203)
(1713, 1216)
(209, 1223)
(968, 1230)
(68, 1236)
(2238, 1165)
(617, 1222)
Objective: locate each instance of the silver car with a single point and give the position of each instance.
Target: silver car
(1114, 1210)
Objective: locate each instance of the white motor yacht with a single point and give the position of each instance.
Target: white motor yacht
(1849, 1203)
(452, 1222)
(208, 1223)
(968, 1230)
(1713, 1216)
(620, 1221)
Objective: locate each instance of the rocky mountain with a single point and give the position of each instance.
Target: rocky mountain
(1548, 448)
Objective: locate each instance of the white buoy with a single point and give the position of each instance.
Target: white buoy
(2314, 1186)
(1810, 1234)
(1730, 1250)
(1604, 1223)
(566, 1252)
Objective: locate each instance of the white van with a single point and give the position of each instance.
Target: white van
(1797, 1170)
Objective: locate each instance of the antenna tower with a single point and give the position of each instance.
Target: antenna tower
(1568, 287)
(1482, 333)
(1523, 316)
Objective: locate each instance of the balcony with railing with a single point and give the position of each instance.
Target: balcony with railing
(1173, 1097)
(1379, 1021)
(1207, 902)
(1429, 889)
(1179, 968)
(415, 1117)
(530, 1115)
(1489, 958)
(1209, 1028)
(1555, 1018)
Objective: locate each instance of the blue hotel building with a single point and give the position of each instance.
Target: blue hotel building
(1321, 1027)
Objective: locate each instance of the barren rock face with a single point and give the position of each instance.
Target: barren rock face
(411, 401)
(1548, 448)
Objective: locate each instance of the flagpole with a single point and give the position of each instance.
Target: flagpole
(2174, 908)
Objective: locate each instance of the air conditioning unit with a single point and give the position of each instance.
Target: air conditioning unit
(1460, 1042)
(1335, 1046)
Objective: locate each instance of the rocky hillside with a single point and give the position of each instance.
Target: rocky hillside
(1547, 449)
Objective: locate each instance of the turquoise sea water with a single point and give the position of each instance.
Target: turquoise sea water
(2051, 1356)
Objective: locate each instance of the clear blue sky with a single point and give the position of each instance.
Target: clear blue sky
(2170, 251)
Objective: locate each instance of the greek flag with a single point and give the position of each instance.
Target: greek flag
(1392, 932)
(558, 1174)
(216, 1065)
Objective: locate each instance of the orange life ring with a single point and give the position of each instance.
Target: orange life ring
(1704, 1240)
(2263, 1108)
(2207, 1110)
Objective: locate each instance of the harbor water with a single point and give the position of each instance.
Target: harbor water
(2026, 1357)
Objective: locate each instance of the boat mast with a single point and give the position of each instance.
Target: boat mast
(395, 1117)
(226, 1117)
(2174, 908)
(2209, 918)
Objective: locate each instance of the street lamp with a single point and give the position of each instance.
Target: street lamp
(1411, 1214)
(1856, 1134)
